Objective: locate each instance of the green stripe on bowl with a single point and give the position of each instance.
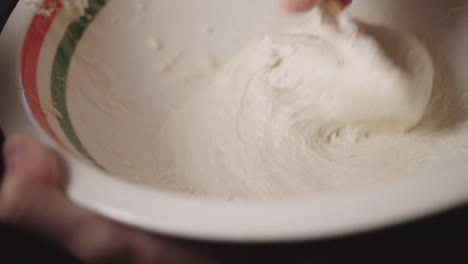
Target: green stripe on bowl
(60, 69)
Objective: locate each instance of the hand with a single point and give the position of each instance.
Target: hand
(304, 5)
(299, 5)
(32, 197)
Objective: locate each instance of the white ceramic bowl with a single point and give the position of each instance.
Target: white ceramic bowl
(117, 33)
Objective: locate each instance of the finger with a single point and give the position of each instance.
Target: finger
(346, 2)
(298, 5)
(305, 5)
(31, 197)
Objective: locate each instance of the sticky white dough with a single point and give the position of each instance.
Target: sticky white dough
(316, 108)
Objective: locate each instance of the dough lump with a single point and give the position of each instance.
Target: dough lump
(316, 108)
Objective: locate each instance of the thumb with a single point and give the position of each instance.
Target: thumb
(32, 197)
(32, 173)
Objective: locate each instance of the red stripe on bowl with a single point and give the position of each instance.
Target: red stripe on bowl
(32, 46)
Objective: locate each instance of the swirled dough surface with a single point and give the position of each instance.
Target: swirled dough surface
(318, 107)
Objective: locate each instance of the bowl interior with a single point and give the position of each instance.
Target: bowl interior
(98, 82)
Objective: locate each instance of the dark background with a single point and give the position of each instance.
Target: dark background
(5, 9)
(440, 239)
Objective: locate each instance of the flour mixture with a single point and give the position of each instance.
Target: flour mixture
(321, 107)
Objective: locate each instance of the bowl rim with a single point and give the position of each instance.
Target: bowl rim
(324, 216)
